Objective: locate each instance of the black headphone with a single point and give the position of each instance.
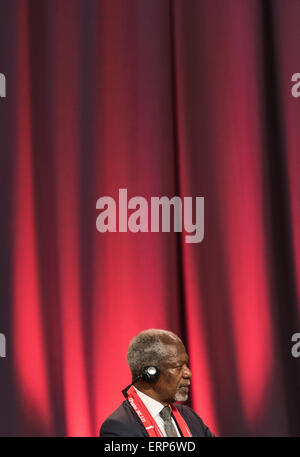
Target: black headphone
(149, 374)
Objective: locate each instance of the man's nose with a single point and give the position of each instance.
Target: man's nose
(187, 372)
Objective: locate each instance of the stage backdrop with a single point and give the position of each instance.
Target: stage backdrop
(162, 98)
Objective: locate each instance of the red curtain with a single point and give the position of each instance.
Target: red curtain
(160, 98)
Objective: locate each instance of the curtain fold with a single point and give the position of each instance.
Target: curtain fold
(161, 98)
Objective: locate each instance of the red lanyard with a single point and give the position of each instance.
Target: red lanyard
(147, 420)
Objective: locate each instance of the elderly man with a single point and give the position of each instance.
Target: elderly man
(160, 376)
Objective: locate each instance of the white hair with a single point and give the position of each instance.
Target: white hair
(149, 348)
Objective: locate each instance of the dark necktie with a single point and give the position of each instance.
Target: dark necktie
(165, 414)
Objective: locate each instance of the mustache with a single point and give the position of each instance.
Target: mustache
(185, 385)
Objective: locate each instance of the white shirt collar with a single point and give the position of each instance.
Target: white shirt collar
(154, 407)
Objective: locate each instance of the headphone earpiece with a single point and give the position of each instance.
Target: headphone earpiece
(150, 374)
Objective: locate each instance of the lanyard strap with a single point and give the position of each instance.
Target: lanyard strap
(147, 420)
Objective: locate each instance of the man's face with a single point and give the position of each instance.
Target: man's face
(175, 375)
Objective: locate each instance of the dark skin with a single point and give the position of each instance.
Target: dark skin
(175, 375)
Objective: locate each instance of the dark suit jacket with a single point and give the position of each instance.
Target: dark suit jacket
(125, 422)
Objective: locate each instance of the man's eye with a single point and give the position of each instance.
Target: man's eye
(179, 367)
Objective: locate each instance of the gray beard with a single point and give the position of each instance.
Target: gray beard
(180, 396)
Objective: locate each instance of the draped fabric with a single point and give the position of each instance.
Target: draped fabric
(162, 98)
